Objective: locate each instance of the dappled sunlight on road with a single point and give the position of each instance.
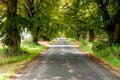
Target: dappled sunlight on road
(61, 65)
(63, 61)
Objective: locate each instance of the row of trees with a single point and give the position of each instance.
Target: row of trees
(93, 19)
(35, 15)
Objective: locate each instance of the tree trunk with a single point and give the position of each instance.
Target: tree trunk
(117, 25)
(13, 36)
(116, 34)
(77, 35)
(114, 27)
(11, 8)
(14, 41)
(36, 35)
(91, 35)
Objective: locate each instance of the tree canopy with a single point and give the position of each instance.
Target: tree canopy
(92, 20)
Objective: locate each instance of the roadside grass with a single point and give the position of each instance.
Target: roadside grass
(29, 51)
(86, 46)
(111, 54)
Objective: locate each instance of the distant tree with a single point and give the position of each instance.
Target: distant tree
(40, 13)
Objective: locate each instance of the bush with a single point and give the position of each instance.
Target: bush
(100, 46)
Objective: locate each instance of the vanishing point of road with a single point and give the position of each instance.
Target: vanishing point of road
(63, 61)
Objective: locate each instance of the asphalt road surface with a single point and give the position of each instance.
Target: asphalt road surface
(63, 61)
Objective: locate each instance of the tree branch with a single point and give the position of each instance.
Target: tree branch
(28, 12)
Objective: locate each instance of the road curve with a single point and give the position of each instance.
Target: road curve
(63, 61)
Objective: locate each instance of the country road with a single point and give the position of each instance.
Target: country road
(63, 61)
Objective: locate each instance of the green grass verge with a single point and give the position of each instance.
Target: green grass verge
(111, 54)
(29, 51)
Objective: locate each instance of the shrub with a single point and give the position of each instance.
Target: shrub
(100, 46)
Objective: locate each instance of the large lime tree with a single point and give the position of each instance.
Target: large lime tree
(11, 27)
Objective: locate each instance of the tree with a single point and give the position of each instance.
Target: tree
(39, 12)
(76, 16)
(11, 26)
(31, 10)
(12, 39)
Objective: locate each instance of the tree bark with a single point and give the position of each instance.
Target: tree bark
(13, 36)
